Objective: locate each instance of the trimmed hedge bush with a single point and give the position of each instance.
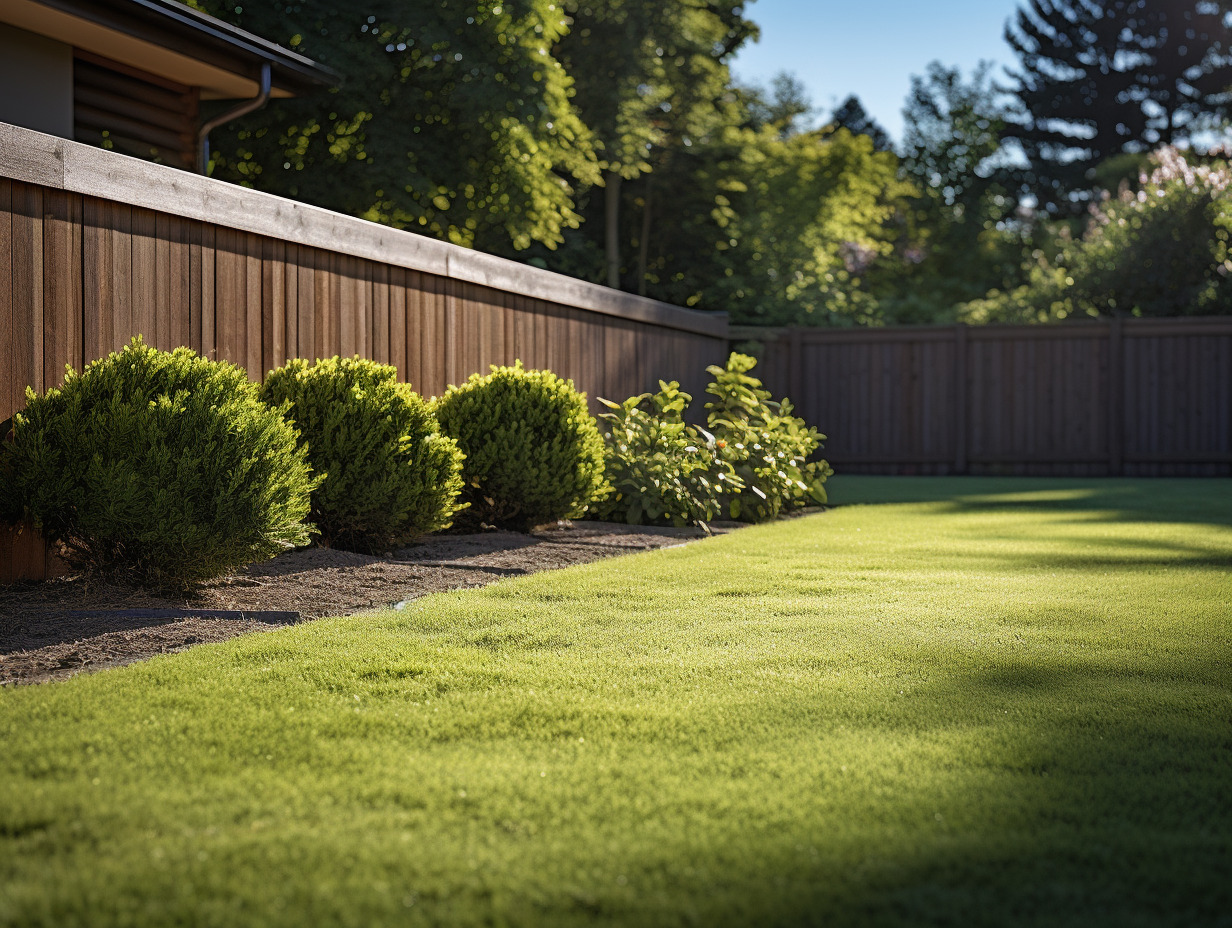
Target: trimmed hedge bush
(533, 451)
(389, 475)
(162, 464)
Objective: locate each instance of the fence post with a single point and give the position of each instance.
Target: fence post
(960, 399)
(795, 365)
(1116, 397)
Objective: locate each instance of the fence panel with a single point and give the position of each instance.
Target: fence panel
(96, 248)
(1141, 397)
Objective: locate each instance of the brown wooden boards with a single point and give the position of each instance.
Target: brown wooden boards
(1135, 396)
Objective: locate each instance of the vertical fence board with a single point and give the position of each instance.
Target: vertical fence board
(231, 294)
(8, 373)
(1133, 396)
(381, 313)
(144, 271)
(209, 291)
(27, 290)
(62, 285)
(273, 304)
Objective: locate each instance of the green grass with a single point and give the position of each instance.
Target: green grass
(946, 702)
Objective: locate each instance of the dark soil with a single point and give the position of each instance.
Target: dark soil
(55, 629)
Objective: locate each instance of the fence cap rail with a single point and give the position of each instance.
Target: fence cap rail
(1076, 329)
(35, 158)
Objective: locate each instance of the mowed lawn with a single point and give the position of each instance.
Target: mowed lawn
(944, 702)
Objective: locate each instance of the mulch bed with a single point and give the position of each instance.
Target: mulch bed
(58, 628)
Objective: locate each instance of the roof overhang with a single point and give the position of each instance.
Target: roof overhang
(169, 39)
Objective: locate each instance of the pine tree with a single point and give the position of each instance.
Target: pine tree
(852, 116)
(1104, 77)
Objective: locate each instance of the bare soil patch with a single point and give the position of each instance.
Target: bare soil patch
(55, 629)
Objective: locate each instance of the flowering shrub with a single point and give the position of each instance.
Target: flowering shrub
(1158, 250)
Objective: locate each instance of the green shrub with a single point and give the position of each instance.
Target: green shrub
(766, 446)
(533, 452)
(389, 474)
(165, 465)
(1160, 249)
(10, 505)
(662, 470)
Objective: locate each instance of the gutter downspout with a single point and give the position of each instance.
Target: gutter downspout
(203, 134)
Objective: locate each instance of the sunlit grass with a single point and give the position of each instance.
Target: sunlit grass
(966, 702)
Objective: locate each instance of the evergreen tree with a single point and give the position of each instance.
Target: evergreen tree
(852, 116)
(1102, 77)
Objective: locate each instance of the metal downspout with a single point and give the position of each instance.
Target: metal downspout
(203, 134)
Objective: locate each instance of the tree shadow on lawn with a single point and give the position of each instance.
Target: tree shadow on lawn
(1079, 795)
(1177, 500)
(1108, 554)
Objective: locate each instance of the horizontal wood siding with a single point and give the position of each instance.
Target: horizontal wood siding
(80, 276)
(1141, 397)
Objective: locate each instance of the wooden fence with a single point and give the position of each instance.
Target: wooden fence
(96, 247)
(1134, 397)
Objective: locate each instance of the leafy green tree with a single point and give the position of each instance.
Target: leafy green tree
(960, 237)
(786, 107)
(778, 228)
(453, 118)
(1100, 77)
(650, 77)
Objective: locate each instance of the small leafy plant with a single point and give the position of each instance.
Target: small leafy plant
(389, 475)
(162, 465)
(764, 444)
(533, 450)
(662, 470)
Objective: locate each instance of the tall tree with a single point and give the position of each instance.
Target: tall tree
(961, 239)
(648, 75)
(1100, 77)
(852, 116)
(786, 107)
(453, 118)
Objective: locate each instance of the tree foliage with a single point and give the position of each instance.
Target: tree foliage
(453, 118)
(1160, 250)
(960, 237)
(651, 77)
(852, 116)
(1100, 77)
(607, 140)
(759, 215)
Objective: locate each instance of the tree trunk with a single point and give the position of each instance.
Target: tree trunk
(611, 208)
(643, 246)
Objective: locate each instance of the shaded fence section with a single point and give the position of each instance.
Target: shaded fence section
(96, 247)
(1134, 397)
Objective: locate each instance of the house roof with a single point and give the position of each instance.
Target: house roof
(167, 38)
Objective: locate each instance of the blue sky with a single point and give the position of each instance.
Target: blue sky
(871, 48)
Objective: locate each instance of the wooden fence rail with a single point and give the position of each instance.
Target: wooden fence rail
(1135, 397)
(96, 247)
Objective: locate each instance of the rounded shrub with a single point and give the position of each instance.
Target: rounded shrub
(389, 475)
(165, 465)
(533, 451)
